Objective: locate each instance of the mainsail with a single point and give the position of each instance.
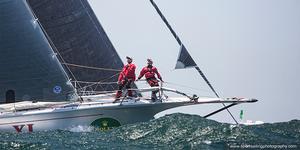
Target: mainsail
(30, 69)
(81, 41)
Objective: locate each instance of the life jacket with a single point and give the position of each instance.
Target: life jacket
(149, 72)
(128, 72)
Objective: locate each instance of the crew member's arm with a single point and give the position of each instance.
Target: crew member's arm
(158, 75)
(142, 73)
(120, 78)
(121, 75)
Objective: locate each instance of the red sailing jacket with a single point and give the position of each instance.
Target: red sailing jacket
(149, 72)
(128, 72)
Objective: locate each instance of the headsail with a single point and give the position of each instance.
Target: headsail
(184, 59)
(30, 69)
(81, 40)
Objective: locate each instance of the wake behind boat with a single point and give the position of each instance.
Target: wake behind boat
(39, 91)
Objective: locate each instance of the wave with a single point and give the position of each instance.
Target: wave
(191, 131)
(176, 131)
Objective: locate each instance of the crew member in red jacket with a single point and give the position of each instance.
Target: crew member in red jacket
(149, 71)
(126, 78)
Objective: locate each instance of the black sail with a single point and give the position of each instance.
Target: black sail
(184, 59)
(30, 69)
(80, 39)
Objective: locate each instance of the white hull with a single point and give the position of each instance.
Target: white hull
(96, 110)
(83, 114)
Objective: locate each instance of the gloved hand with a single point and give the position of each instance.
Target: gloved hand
(119, 82)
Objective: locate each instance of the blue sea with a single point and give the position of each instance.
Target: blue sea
(176, 131)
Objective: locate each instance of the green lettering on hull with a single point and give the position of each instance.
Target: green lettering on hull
(104, 124)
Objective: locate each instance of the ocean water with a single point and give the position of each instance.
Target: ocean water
(176, 131)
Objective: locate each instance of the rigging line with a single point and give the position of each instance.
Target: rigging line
(211, 87)
(104, 92)
(171, 83)
(88, 82)
(166, 22)
(206, 80)
(99, 82)
(180, 43)
(106, 79)
(89, 67)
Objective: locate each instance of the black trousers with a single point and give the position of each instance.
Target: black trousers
(127, 84)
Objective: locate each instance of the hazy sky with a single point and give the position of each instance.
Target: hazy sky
(246, 48)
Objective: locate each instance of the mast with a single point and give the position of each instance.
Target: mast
(192, 62)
